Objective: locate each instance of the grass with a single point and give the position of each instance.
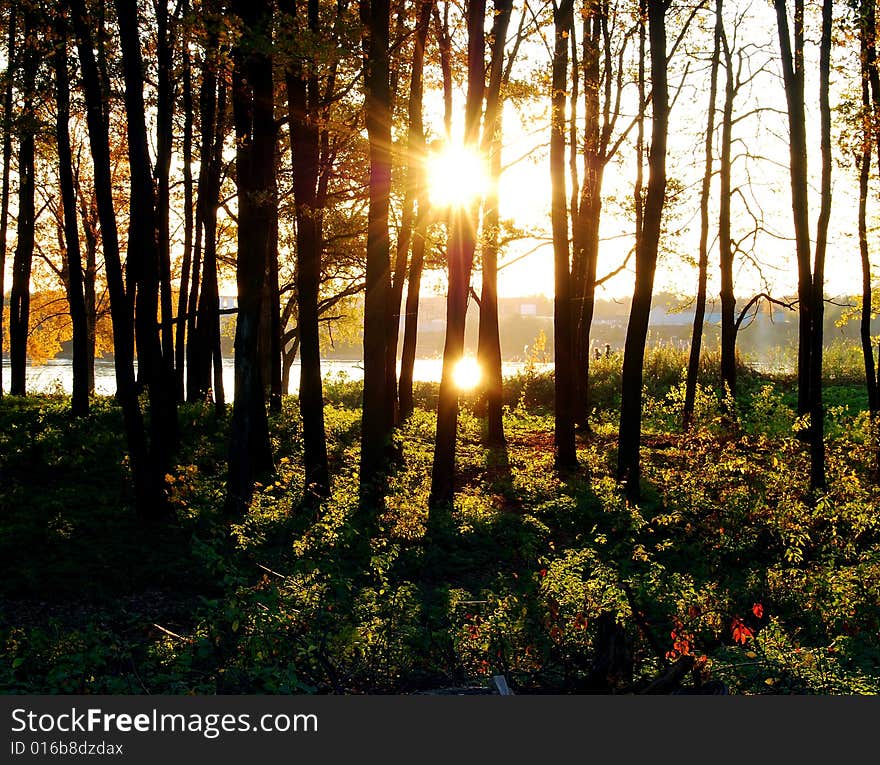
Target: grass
(727, 562)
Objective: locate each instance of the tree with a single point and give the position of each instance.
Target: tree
(564, 437)
(377, 416)
(460, 254)
(7, 161)
(647, 243)
(703, 258)
(73, 257)
(303, 106)
(19, 298)
(250, 451)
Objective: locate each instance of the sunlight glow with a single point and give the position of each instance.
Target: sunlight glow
(457, 176)
(467, 373)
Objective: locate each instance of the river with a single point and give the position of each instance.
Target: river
(56, 375)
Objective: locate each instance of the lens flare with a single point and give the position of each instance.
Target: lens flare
(457, 176)
(467, 374)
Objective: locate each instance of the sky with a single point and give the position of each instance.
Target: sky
(525, 185)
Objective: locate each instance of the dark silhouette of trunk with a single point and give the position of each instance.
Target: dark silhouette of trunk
(415, 160)
(460, 255)
(377, 407)
(867, 44)
(274, 307)
(693, 368)
(628, 463)
(89, 217)
(725, 243)
(303, 102)
(73, 257)
(203, 349)
(489, 345)
(164, 147)
(187, 260)
(250, 451)
(143, 249)
(793, 77)
(817, 410)
(149, 493)
(7, 161)
(20, 297)
(563, 336)
(586, 215)
(417, 260)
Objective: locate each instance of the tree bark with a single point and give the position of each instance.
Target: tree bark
(693, 368)
(563, 336)
(73, 257)
(303, 113)
(725, 243)
(20, 297)
(377, 409)
(462, 242)
(628, 462)
(489, 345)
(7, 161)
(793, 78)
(187, 261)
(149, 494)
(250, 451)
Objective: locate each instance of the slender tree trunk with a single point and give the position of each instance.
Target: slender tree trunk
(7, 161)
(793, 78)
(489, 346)
(149, 494)
(143, 249)
(20, 296)
(89, 217)
(817, 410)
(250, 451)
(867, 34)
(302, 106)
(462, 242)
(164, 148)
(415, 160)
(186, 264)
(693, 368)
(628, 462)
(76, 298)
(566, 453)
(725, 242)
(377, 409)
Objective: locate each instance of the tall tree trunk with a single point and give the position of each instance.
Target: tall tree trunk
(20, 296)
(89, 216)
(867, 36)
(143, 249)
(187, 261)
(302, 106)
(793, 78)
(164, 147)
(250, 451)
(725, 241)
(414, 172)
(693, 368)
(377, 409)
(7, 161)
(489, 345)
(817, 411)
(75, 295)
(460, 254)
(149, 494)
(628, 462)
(563, 337)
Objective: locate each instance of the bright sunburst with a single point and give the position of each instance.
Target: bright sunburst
(457, 176)
(467, 373)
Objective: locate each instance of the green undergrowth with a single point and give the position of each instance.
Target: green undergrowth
(727, 561)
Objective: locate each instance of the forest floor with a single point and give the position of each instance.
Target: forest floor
(727, 576)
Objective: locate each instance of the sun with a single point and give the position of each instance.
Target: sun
(456, 176)
(467, 373)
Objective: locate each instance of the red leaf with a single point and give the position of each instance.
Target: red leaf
(758, 610)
